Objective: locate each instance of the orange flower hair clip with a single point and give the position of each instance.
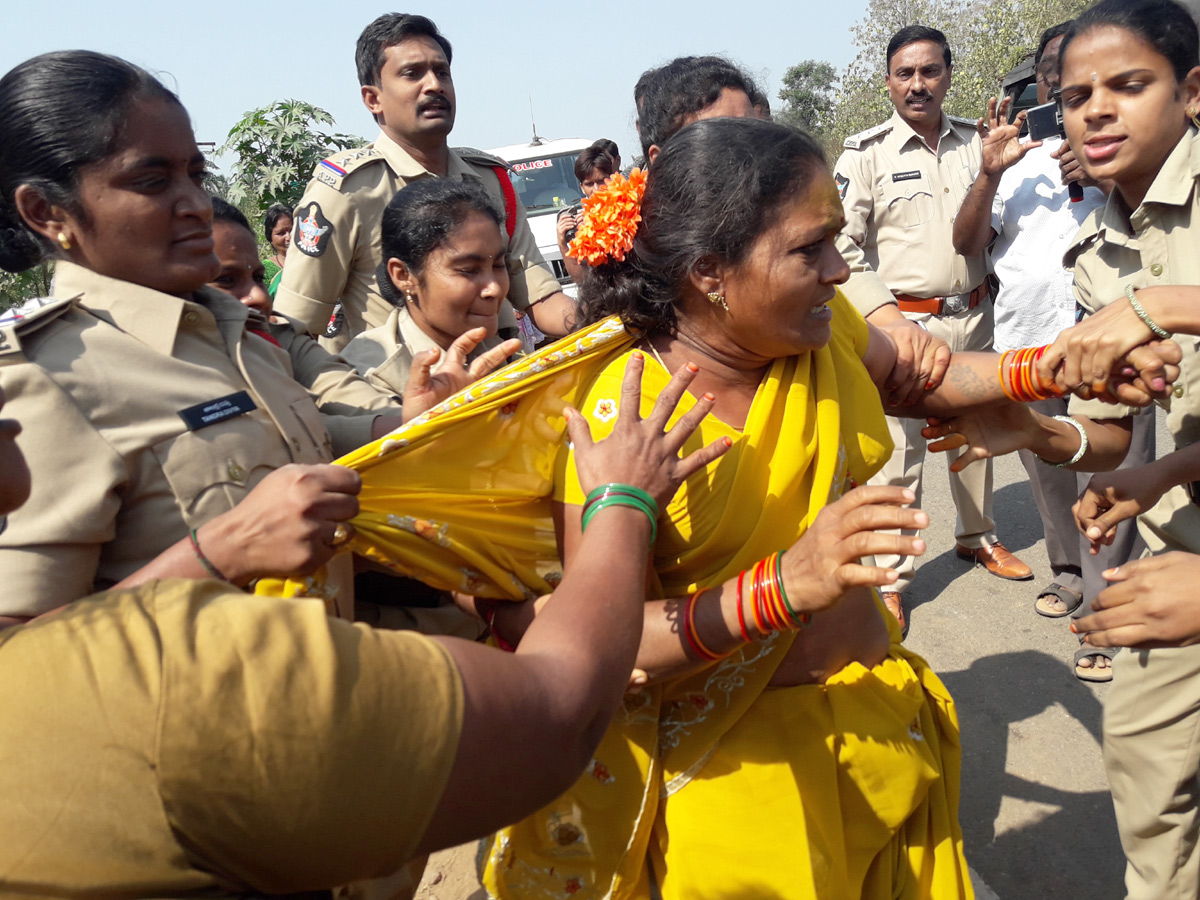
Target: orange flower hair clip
(610, 220)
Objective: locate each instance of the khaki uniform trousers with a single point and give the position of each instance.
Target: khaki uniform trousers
(1152, 740)
(971, 488)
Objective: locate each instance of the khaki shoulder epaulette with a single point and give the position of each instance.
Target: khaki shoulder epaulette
(334, 169)
(855, 141)
(24, 320)
(470, 154)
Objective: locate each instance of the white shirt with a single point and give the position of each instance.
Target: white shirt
(1035, 222)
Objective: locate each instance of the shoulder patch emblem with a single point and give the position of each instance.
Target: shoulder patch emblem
(313, 230)
(842, 183)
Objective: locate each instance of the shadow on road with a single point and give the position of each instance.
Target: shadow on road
(1072, 852)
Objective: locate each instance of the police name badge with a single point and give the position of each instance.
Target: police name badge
(210, 412)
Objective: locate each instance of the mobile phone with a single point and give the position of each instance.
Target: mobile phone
(1045, 121)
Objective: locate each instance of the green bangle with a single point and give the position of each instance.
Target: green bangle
(621, 500)
(1155, 329)
(800, 619)
(617, 500)
(618, 488)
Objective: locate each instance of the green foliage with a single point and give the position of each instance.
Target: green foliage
(808, 95)
(16, 288)
(276, 148)
(988, 38)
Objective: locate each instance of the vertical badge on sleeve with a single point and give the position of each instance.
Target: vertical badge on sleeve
(313, 230)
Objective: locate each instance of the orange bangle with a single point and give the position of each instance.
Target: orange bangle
(1004, 384)
(692, 633)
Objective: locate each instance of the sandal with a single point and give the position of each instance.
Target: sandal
(1071, 601)
(1093, 674)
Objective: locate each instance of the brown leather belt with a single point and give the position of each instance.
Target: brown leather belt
(938, 305)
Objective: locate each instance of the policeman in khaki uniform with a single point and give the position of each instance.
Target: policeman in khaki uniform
(404, 69)
(902, 184)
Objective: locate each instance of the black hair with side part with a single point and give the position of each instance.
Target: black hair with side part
(1163, 24)
(60, 112)
(389, 30)
(275, 212)
(714, 189)
(666, 96)
(911, 34)
(594, 157)
(1047, 36)
(420, 218)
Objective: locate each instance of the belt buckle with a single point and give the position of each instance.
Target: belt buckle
(955, 303)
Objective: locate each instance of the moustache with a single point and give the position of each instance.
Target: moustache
(433, 104)
(918, 97)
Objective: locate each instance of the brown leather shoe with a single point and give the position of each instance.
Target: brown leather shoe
(891, 599)
(998, 560)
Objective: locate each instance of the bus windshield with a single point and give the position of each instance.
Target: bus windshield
(547, 184)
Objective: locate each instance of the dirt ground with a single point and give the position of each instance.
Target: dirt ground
(450, 875)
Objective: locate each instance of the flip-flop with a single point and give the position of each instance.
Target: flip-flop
(1094, 674)
(1070, 599)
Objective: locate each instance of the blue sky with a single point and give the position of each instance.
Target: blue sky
(225, 57)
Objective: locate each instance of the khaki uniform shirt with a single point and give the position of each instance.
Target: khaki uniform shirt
(384, 355)
(339, 393)
(900, 200)
(336, 245)
(99, 384)
(183, 739)
(1153, 245)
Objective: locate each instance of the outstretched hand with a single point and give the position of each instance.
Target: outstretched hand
(427, 386)
(1150, 602)
(826, 562)
(987, 432)
(639, 451)
(1002, 147)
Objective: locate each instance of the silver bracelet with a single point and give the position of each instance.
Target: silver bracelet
(1083, 443)
(1157, 330)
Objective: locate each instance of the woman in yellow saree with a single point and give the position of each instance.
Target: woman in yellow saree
(761, 758)
(819, 763)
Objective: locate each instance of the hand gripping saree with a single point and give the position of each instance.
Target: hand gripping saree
(714, 784)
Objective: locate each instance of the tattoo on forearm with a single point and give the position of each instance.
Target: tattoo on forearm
(967, 382)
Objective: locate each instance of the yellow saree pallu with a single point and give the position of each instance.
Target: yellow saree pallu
(735, 789)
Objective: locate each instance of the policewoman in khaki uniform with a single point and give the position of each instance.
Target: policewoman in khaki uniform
(183, 739)
(902, 184)
(443, 274)
(151, 413)
(1130, 95)
(404, 70)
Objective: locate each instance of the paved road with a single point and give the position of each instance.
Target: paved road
(1036, 812)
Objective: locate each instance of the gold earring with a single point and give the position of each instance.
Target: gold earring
(63, 241)
(716, 298)
(1194, 115)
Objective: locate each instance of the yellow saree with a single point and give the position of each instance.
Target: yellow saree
(733, 789)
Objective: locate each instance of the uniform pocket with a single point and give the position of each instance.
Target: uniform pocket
(211, 470)
(908, 203)
(312, 443)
